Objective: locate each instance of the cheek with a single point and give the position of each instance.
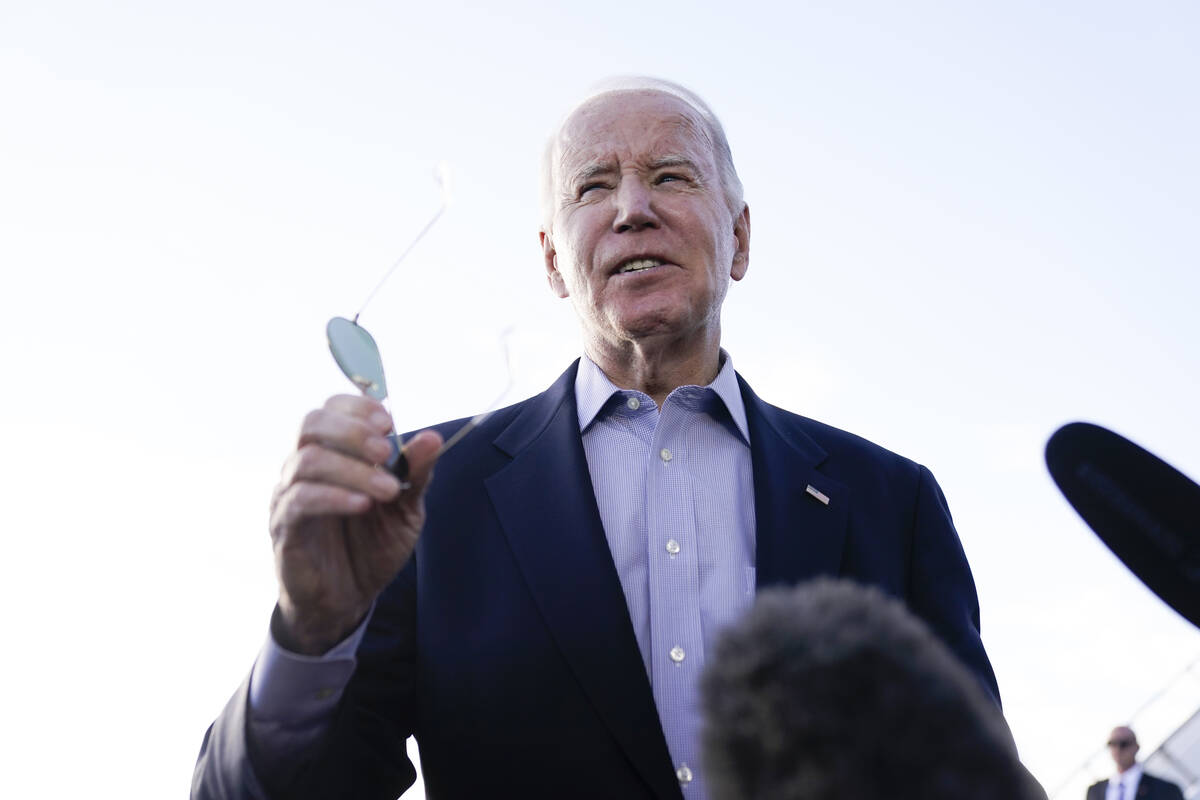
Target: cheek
(574, 274)
(579, 257)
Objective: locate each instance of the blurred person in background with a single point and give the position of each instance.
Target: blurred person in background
(1130, 782)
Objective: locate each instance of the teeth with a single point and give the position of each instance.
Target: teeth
(640, 264)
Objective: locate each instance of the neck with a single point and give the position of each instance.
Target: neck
(658, 365)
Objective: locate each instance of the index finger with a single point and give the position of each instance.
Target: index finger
(363, 407)
(355, 426)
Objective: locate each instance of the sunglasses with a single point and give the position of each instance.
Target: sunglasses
(357, 354)
(1121, 744)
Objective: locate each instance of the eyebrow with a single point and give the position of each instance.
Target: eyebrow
(667, 162)
(598, 169)
(593, 170)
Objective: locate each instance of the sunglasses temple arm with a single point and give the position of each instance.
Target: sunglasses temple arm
(397, 462)
(403, 255)
(475, 421)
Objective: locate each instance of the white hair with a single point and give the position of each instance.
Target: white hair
(731, 184)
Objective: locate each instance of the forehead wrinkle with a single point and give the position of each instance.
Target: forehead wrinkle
(571, 142)
(678, 106)
(593, 169)
(603, 165)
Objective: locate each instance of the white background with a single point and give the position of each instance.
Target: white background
(972, 223)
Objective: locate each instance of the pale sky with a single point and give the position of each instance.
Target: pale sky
(972, 223)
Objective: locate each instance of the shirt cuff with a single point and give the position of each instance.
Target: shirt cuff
(291, 689)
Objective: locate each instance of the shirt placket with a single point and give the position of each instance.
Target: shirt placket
(675, 622)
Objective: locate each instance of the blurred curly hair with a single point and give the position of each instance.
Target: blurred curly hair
(833, 690)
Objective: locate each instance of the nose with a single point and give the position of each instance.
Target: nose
(634, 207)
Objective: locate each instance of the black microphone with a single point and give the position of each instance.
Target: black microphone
(1145, 510)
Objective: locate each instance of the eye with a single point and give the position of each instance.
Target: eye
(588, 187)
(669, 177)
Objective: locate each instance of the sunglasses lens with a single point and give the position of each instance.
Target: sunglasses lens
(356, 353)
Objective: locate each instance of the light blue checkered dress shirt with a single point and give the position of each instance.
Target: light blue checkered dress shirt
(676, 496)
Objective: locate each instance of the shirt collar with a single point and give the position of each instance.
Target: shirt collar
(1130, 775)
(593, 389)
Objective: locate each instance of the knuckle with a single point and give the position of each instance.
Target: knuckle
(312, 422)
(276, 497)
(344, 403)
(302, 500)
(360, 433)
(287, 474)
(284, 514)
(308, 461)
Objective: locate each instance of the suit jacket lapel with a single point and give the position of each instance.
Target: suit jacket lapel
(798, 534)
(559, 543)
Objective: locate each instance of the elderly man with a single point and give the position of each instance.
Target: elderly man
(538, 614)
(1130, 782)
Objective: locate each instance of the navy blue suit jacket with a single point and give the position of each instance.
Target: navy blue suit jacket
(505, 645)
(1149, 788)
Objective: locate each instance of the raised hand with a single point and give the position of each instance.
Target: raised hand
(342, 527)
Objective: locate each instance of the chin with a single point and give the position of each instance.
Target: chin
(642, 326)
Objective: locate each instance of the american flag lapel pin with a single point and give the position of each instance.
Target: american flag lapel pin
(817, 493)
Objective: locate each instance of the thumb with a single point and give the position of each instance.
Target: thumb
(421, 452)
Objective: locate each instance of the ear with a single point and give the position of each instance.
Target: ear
(741, 235)
(550, 255)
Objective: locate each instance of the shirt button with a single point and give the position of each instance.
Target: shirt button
(325, 693)
(664, 454)
(684, 773)
(677, 654)
(672, 547)
(633, 403)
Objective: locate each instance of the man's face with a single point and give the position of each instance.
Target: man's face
(642, 240)
(1123, 747)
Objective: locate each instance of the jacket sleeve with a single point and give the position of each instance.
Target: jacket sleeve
(362, 754)
(223, 770)
(942, 590)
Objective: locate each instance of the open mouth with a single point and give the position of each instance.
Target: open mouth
(638, 265)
